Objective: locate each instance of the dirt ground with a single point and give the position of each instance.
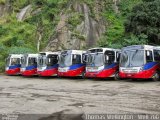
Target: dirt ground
(36, 95)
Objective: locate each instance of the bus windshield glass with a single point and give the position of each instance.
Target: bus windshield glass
(15, 61)
(65, 60)
(133, 58)
(95, 60)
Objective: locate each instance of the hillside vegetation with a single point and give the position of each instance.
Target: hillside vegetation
(125, 23)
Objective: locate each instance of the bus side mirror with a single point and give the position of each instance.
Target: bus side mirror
(106, 58)
(84, 58)
(74, 56)
(148, 53)
(49, 60)
(118, 55)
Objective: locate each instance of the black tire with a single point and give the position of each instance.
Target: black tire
(156, 77)
(116, 76)
(83, 75)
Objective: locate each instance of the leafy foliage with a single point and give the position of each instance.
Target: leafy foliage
(2, 1)
(144, 19)
(21, 37)
(115, 34)
(75, 19)
(19, 50)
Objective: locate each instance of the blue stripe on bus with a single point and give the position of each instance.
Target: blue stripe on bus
(31, 67)
(76, 66)
(149, 65)
(52, 67)
(110, 66)
(14, 66)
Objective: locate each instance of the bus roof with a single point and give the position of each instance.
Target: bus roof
(15, 55)
(135, 47)
(31, 55)
(49, 52)
(74, 51)
(100, 49)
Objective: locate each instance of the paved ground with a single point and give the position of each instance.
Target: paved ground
(51, 95)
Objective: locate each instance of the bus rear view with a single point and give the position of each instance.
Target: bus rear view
(140, 61)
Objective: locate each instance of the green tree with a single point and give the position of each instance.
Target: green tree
(144, 19)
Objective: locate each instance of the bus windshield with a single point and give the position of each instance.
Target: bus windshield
(12, 61)
(65, 60)
(15, 61)
(133, 58)
(96, 59)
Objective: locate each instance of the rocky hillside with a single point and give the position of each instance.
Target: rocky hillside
(71, 24)
(50, 25)
(78, 27)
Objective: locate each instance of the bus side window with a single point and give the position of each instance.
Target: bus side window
(111, 57)
(156, 55)
(76, 59)
(149, 56)
(53, 59)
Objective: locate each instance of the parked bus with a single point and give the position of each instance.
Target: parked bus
(13, 64)
(71, 63)
(102, 63)
(140, 61)
(48, 63)
(29, 64)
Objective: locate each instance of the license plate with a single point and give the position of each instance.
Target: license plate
(93, 69)
(22, 69)
(62, 70)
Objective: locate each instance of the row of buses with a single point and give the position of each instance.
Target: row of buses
(135, 62)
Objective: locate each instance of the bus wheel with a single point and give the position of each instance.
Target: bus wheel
(83, 75)
(155, 77)
(116, 76)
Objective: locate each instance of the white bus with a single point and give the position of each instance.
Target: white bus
(140, 61)
(48, 63)
(102, 63)
(29, 64)
(71, 63)
(13, 64)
